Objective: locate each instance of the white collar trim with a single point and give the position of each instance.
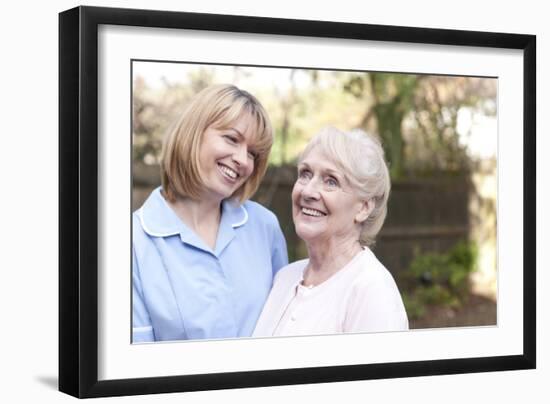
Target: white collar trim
(148, 230)
(245, 218)
(156, 234)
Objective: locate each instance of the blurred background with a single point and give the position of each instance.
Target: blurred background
(440, 138)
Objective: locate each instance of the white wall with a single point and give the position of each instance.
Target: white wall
(28, 214)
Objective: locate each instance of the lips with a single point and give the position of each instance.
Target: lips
(229, 173)
(312, 212)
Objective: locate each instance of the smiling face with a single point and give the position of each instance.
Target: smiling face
(226, 158)
(325, 207)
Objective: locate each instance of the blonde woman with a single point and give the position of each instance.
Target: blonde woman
(339, 204)
(203, 255)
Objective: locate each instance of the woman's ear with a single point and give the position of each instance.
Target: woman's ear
(364, 211)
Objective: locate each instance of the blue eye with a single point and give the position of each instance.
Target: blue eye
(304, 174)
(332, 182)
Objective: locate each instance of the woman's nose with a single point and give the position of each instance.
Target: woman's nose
(241, 156)
(311, 189)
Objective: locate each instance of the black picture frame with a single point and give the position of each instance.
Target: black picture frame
(78, 200)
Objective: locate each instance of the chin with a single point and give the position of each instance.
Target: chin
(220, 193)
(305, 232)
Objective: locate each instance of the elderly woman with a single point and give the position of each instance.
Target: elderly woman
(338, 205)
(193, 274)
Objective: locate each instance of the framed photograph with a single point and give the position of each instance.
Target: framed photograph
(453, 115)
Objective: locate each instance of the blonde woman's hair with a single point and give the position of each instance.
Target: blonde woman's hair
(361, 158)
(217, 106)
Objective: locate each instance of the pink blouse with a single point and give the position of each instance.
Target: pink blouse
(361, 297)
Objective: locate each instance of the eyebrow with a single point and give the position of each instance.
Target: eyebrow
(253, 142)
(325, 170)
(236, 131)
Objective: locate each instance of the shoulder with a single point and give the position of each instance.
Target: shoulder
(291, 273)
(141, 240)
(261, 217)
(137, 224)
(155, 218)
(371, 273)
(375, 303)
(259, 212)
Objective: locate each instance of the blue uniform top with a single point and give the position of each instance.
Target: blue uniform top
(182, 289)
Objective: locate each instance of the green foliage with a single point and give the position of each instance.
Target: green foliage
(440, 279)
(416, 116)
(388, 98)
(414, 306)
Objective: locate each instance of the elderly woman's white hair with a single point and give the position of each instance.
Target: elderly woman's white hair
(361, 158)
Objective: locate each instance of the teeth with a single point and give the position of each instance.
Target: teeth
(229, 172)
(311, 212)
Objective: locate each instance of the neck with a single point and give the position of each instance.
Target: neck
(327, 258)
(197, 214)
